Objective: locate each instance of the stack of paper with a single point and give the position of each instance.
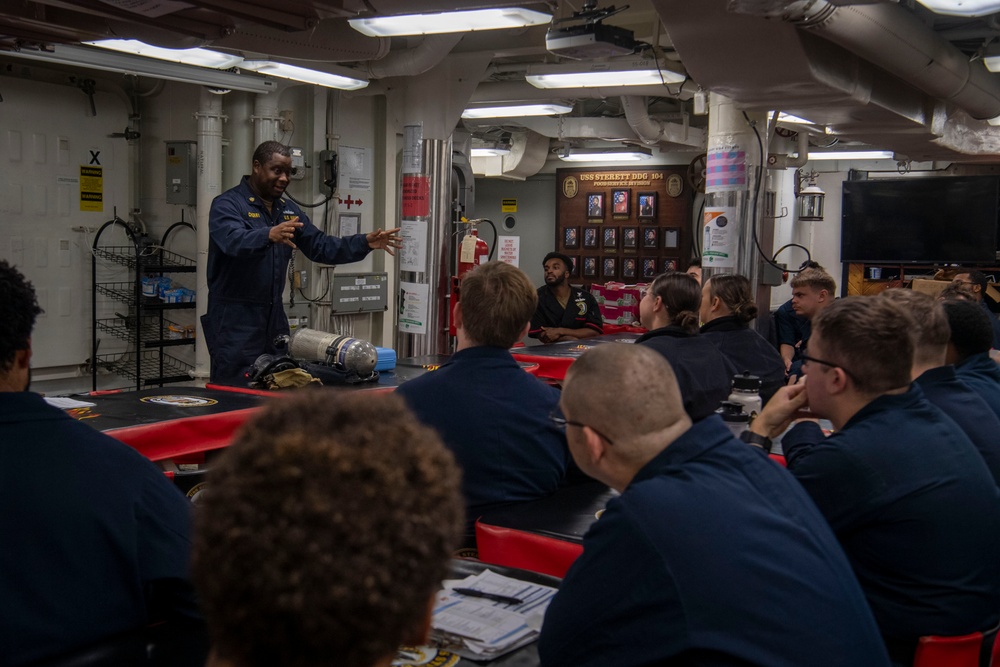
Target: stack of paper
(482, 628)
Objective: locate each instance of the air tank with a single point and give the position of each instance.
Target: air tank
(342, 352)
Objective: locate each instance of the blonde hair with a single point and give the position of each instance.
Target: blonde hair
(497, 300)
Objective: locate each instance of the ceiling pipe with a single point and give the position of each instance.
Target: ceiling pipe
(779, 161)
(652, 131)
(896, 40)
(411, 62)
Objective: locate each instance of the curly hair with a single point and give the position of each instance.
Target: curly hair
(18, 310)
(734, 291)
(971, 332)
(327, 527)
(681, 296)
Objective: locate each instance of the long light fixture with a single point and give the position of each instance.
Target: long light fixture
(198, 57)
(852, 155)
(611, 73)
(127, 63)
(606, 155)
(962, 7)
(442, 22)
(328, 79)
(517, 110)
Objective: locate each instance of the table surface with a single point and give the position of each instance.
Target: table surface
(565, 515)
(572, 348)
(151, 406)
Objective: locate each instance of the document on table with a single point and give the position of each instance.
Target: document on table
(65, 403)
(482, 629)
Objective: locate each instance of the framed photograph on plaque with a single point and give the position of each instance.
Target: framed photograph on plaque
(589, 267)
(620, 202)
(609, 267)
(590, 237)
(649, 268)
(610, 238)
(669, 264)
(630, 238)
(650, 238)
(574, 271)
(671, 238)
(571, 238)
(629, 268)
(595, 205)
(647, 205)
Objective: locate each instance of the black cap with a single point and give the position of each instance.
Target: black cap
(746, 381)
(558, 255)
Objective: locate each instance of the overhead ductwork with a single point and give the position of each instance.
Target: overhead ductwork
(410, 62)
(896, 40)
(866, 72)
(528, 153)
(652, 131)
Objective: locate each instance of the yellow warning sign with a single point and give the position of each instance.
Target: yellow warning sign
(508, 206)
(91, 188)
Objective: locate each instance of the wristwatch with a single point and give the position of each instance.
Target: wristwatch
(756, 440)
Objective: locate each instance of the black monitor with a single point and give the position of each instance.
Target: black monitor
(951, 219)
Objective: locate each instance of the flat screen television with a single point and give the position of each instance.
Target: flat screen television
(921, 220)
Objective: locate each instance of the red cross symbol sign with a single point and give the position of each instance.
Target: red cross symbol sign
(349, 201)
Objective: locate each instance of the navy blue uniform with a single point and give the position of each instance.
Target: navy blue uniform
(982, 375)
(747, 351)
(713, 555)
(942, 387)
(494, 417)
(994, 322)
(704, 375)
(581, 311)
(916, 511)
(246, 276)
(792, 329)
(95, 537)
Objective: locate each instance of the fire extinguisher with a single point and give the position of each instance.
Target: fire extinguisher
(472, 252)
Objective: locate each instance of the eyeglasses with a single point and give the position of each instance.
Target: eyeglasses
(814, 360)
(562, 423)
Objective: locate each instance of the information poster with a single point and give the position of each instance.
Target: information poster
(722, 237)
(416, 196)
(413, 307)
(413, 254)
(356, 168)
(413, 139)
(509, 250)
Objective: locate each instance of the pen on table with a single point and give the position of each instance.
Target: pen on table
(473, 593)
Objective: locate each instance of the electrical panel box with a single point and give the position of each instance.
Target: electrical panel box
(771, 275)
(359, 293)
(182, 165)
(298, 163)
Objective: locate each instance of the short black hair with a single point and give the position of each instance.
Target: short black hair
(266, 151)
(977, 278)
(971, 332)
(695, 262)
(809, 264)
(558, 255)
(18, 310)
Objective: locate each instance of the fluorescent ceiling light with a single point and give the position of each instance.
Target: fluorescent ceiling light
(127, 63)
(852, 155)
(789, 118)
(490, 152)
(442, 22)
(199, 57)
(512, 111)
(962, 7)
(342, 81)
(606, 155)
(602, 74)
(994, 121)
